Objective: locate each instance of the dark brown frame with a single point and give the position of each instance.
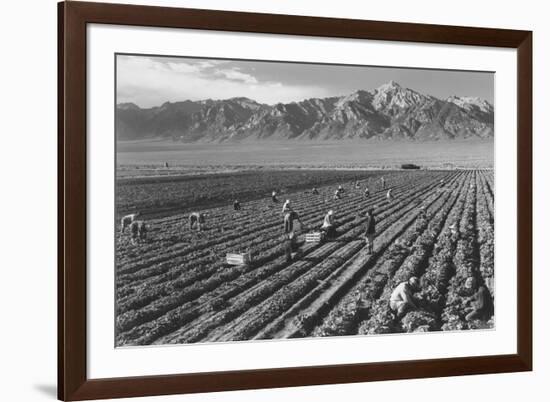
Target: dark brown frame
(73, 383)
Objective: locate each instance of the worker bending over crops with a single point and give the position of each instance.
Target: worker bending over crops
(402, 299)
(389, 195)
(274, 196)
(370, 230)
(236, 205)
(196, 219)
(127, 221)
(329, 226)
(357, 184)
(338, 193)
(366, 193)
(288, 221)
(315, 191)
(480, 303)
(286, 207)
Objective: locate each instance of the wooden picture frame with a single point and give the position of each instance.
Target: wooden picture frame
(73, 17)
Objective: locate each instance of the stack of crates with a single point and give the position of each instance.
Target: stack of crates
(314, 237)
(238, 258)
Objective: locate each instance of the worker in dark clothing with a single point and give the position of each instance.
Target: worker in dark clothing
(236, 205)
(291, 247)
(288, 221)
(481, 302)
(315, 191)
(142, 230)
(370, 230)
(274, 196)
(196, 219)
(134, 232)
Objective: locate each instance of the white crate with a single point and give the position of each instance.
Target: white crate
(314, 237)
(238, 258)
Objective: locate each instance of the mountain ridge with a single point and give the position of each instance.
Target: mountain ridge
(389, 112)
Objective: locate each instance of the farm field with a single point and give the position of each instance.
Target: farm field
(147, 157)
(176, 288)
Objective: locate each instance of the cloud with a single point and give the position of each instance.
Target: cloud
(150, 82)
(236, 75)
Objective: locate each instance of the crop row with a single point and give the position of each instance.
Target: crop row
(185, 308)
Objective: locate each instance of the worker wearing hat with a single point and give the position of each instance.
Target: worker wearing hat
(402, 299)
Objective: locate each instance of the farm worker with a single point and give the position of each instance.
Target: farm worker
(357, 184)
(142, 230)
(286, 207)
(341, 189)
(127, 220)
(274, 196)
(383, 182)
(402, 299)
(336, 195)
(291, 246)
(165, 164)
(366, 193)
(134, 232)
(329, 226)
(288, 221)
(481, 302)
(389, 195)
(236, 205)
(370, 230)
(196, 219)
(314, 191)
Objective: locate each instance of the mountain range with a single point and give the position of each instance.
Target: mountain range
(390, 112)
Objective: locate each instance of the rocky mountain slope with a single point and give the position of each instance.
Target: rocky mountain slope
(390, 112)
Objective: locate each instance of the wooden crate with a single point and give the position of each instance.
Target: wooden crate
(238, 258)
(314, 237)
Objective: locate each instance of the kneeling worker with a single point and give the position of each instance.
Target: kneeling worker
(481, 302)
(402, 299)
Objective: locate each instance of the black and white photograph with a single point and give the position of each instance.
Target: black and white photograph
(268, 200)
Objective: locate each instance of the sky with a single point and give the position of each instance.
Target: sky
(150, 81)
